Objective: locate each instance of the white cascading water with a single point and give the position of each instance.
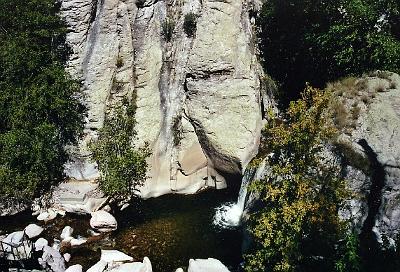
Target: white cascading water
(229, 215)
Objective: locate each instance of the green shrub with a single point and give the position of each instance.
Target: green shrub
(40, 108)
(300, 194)
(190, 24)
(123, 167)
(168, 29)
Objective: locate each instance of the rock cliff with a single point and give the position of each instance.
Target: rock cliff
(372, 155)
(199, 99)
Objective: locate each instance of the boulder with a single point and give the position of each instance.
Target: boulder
(179, 270)
(77, 242)
(110, 256)
(206, 265)
(53, 259)
(67, 257)
(145, 266)
(33, 230)
(66, 232)
(48, 215)
(98, 267)
(103, 221)
(40, 244)
(74, 268)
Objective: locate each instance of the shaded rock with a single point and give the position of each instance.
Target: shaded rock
(206, 265)
(33, 230)
(41, 243)
(103, 221)
(74, 268)
(109, 256)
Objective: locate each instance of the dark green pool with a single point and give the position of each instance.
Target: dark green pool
(169, 230)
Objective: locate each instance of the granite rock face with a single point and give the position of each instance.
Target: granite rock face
(190, 92)
(377, 135)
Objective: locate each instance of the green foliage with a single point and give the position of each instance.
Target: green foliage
(190, 24)
(168, 29)
(349, 260)
(320, 41)
(40, 109)
(301, 193)
(123, 167)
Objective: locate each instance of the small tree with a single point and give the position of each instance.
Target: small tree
(302, 191)
(190, 24)
(168, 29)
(123, 167)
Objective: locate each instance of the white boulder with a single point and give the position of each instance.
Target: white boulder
(77, 242)
(67, 257)
(66, 233)
(40, 244)
(52, 258)
(179, 270)
(103, 221)
(48, 215)
(145, 266)
(206, 265)
(114, 256)
(74, 268)
(98, 267)
(33, 230)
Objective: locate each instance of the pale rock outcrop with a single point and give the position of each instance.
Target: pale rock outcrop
(189, 92)
(77, 241)
(103, 221)
(74, 268)
(48, 215)
(33, 230)
(379, 127)
(206, 265)
(80, 197)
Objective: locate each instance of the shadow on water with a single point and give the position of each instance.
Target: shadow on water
(169, 230)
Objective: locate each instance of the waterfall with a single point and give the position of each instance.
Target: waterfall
(229, 214)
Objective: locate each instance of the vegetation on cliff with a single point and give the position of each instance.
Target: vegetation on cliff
(320, 41)
(123, 167)
(40, 109)
(301, 194)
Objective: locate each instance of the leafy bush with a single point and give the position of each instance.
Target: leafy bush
(301, 193)
(123, 167)
(168, 29)
(190, 24)
(40, 109)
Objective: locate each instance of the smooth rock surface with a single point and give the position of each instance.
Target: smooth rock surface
(109, 256)
(206, 265)
(74, 268)
(98, 267)
(103, 221)
(189, 92)
(33, 230)
(41, 243)
(66, 232)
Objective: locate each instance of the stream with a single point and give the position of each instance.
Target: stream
(169, 230)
